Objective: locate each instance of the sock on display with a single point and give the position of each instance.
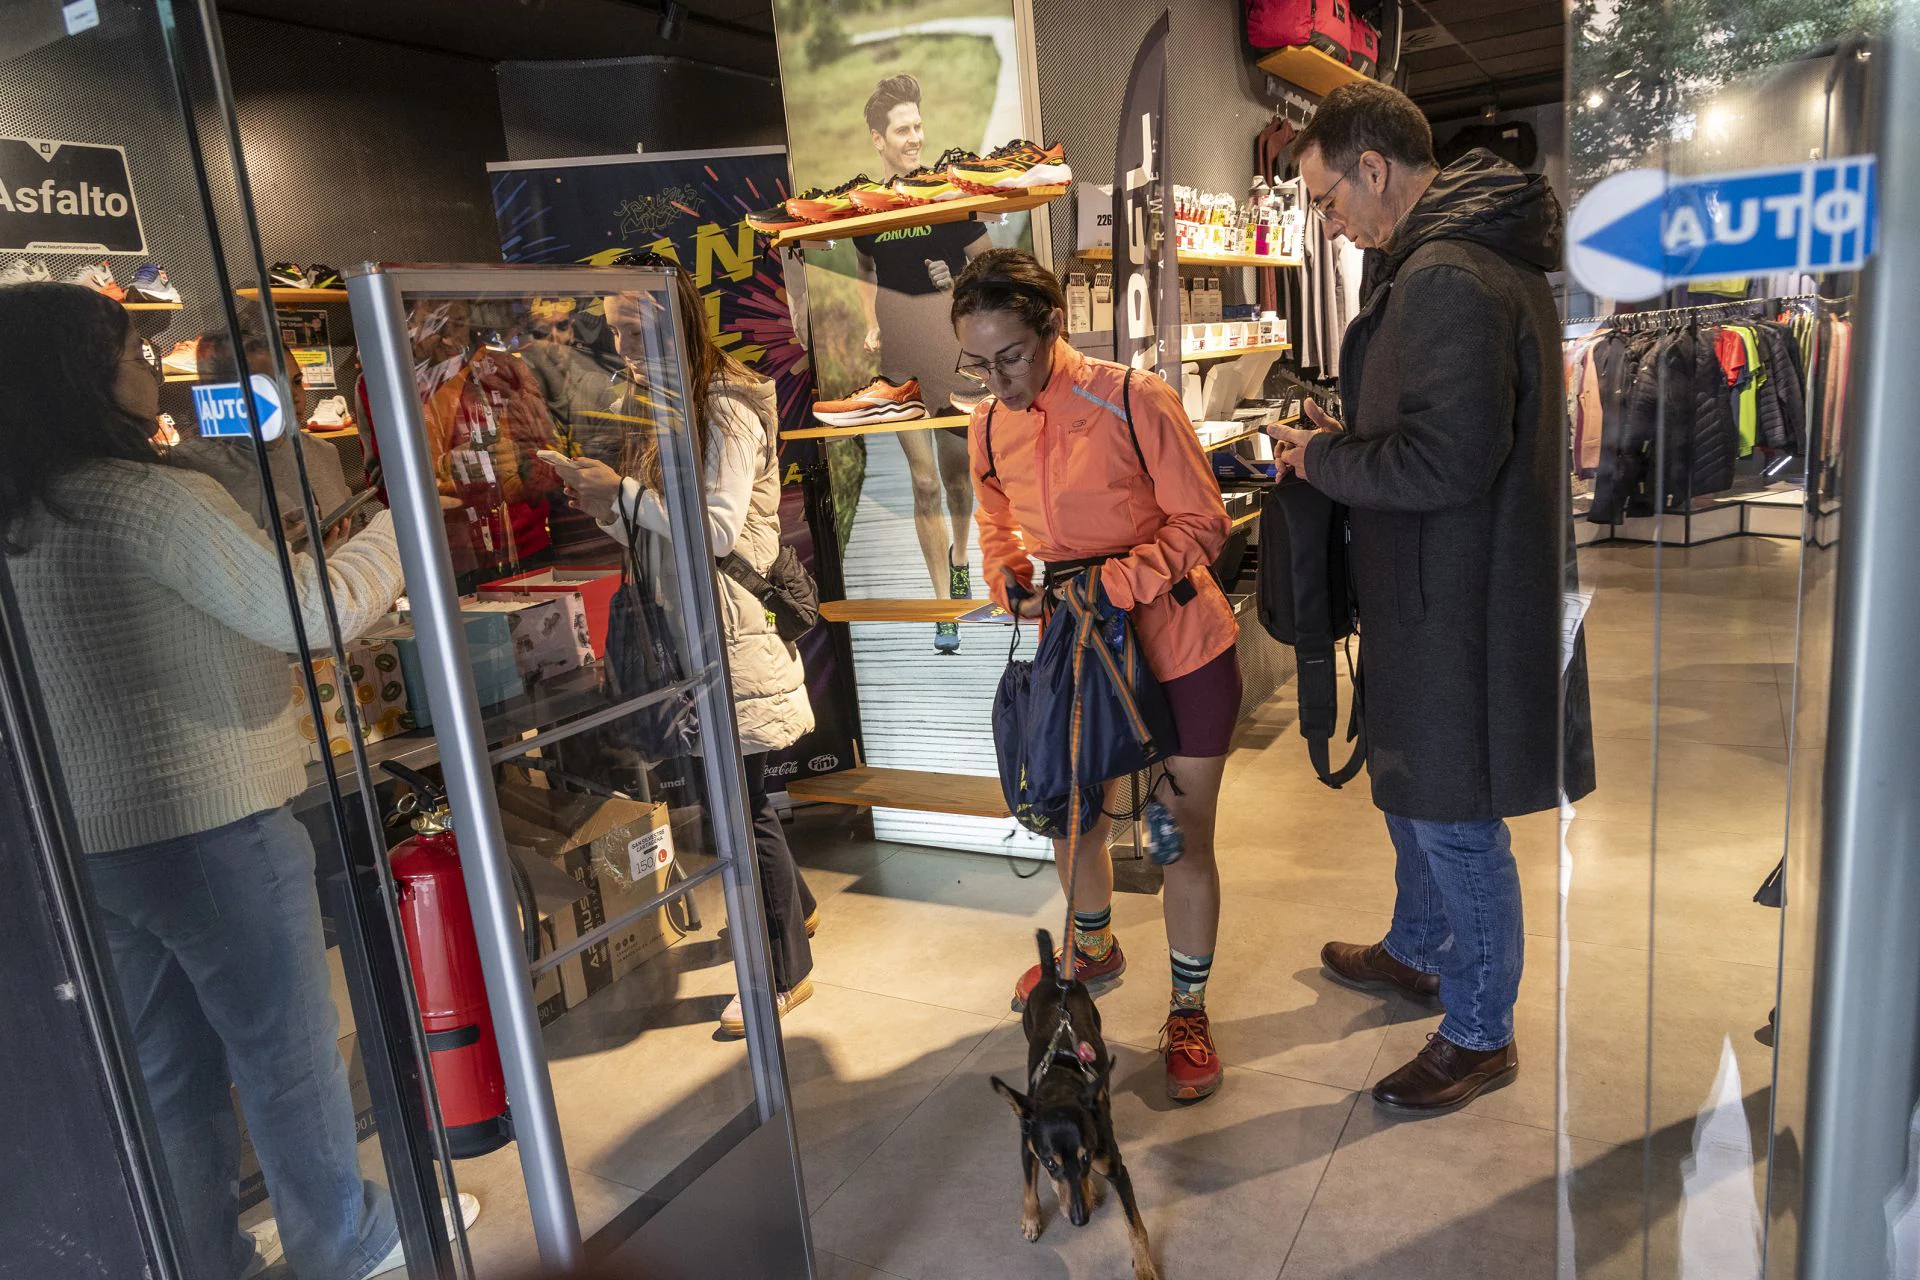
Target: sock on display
(1093, 932)
(1190, 979)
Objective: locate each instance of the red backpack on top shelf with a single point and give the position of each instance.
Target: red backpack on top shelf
(1364, 49)
(1327, 25)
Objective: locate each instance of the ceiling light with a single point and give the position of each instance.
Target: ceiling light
(1596, 100)
(673, 16)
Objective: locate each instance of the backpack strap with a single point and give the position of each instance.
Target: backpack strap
(1126, 402)
(986, 443)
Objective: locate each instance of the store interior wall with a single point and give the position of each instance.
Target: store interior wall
(613, 106)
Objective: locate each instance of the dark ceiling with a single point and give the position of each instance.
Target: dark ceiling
(1462, 55)
(727, 33)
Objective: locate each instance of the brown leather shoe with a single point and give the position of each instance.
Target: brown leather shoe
(1372, 969)
(1445, 1077)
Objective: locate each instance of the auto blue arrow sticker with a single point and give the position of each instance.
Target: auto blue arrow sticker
(1639, 232)
(221, 408)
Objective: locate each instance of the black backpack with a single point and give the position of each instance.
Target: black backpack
(1305, 595)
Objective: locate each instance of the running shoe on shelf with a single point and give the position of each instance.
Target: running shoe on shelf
(322, 276)
(925, 186)
(20, 271)
(98, 276)
(770, 222)
(825, 206)
(150, 284)
(881, 400)
(287, 275)
(877, 197)
(1015, 167)
(330, 414)
(183, 361)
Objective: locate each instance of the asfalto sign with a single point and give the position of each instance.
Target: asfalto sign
(1640, 232)
(67, 197)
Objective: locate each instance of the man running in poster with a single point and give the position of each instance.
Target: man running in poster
(905, 279)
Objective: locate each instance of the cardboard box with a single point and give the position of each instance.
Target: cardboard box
(595, 585)
(550, 633)
(591, 859)
(375, 681)
(496, 675)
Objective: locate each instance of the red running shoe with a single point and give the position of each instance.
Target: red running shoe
(1193, 1065)
(1100, 975)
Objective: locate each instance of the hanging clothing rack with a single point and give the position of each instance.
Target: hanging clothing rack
(1701, 310)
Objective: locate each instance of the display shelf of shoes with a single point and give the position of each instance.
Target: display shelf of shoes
(821, 431)
(867, 787)
(919, 215)
(154, 306)
(297, 295)
(1228, 353)
(1307, 68)
(1205, 258)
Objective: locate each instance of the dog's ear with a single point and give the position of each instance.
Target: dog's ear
(1021, 1104)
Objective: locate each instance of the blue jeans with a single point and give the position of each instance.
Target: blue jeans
(217, 944)
(1457, 914)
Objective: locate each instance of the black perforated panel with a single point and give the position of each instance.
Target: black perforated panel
(608, 106)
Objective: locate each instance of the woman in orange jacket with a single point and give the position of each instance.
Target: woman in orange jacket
(1079, 461)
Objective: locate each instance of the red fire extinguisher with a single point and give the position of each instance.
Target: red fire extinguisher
(447, 980)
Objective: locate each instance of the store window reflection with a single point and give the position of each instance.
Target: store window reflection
(150, 601)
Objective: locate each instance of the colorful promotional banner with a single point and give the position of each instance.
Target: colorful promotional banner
(1146, 275)
(691, 207)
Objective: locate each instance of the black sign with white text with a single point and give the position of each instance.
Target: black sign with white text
(67, 197)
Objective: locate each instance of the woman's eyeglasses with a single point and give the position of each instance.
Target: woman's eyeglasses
(1005, 366)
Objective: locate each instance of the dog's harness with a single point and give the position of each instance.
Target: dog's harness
(1064, 1048)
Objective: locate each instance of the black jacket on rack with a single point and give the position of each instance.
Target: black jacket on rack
(1715, 437)
(1785, 389)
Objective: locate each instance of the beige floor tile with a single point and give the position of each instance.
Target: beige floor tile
(1452, 1196)
(1748, 657)
(1322, 848)
(1727, 788)
(501, 1238)
(831, 1266)
(1271, 1007)
(1222, 1186)
(857, 1065)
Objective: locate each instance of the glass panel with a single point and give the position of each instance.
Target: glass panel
(171, 609)
(599, 677)
(1705, 469)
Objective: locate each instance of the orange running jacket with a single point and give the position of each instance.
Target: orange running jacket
(1065, 484)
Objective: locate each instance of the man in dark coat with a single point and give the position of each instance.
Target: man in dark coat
(1454, 465)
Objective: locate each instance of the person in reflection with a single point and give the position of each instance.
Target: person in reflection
(734, 434)
(1453, 465)
(161, 635)
(1080, 461)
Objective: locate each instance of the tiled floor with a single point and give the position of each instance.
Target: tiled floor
(1290, 1173)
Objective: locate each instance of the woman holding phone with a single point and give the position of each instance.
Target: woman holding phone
(734, 423)
(1079, 461)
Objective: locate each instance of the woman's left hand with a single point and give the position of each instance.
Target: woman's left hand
(594, 487)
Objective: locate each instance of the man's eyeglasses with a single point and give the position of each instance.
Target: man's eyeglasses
(1324, 203)
(1005, 366)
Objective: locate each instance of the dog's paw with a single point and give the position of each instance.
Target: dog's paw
(1031, 1225)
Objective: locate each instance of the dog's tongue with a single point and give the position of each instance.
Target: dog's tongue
(1083, 1051)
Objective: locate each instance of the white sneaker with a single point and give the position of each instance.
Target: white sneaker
(396, 1259)
(330, 414)
(733, 1020)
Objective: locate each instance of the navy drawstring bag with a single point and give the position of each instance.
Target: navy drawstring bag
(1120, 721)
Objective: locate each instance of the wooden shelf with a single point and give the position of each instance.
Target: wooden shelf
(297, 295)
(1309, 69)
(1200, 258)
(1230, 441)
(182, 377)
(154, 306)
(332, 433)
(868, 787)
(821, 431)
(920, 215)
(1259, 350)
(923, 610)
(1247, 519)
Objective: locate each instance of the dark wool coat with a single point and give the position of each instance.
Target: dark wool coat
(1455, 465)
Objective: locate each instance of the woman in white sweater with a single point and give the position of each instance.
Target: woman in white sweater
(735, 425)
(161, 635)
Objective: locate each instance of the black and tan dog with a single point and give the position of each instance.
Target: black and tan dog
(1066, 1117)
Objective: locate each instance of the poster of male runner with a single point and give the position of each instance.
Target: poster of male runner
(887, 90)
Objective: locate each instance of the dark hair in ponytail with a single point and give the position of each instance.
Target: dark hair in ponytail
(1010, 280)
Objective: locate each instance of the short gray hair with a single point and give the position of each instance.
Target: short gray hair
(1368, 116)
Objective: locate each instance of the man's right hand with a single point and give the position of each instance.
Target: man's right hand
(1320, 418)
(872, 343)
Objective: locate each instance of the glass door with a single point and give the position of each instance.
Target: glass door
(566, 666)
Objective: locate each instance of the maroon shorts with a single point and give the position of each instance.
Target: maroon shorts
(1206, 706)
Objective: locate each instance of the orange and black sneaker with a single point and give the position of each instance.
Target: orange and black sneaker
(882, 400)
(876, 197)
(825, 206)
(773, 221)
(1101, 976)
(1018, 166)
(926, 185)
(1193, 1064)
